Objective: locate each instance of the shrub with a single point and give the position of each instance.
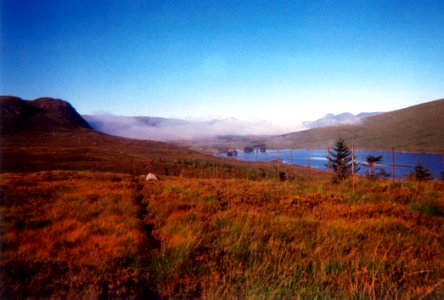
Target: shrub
(428, 208)
(421, 173)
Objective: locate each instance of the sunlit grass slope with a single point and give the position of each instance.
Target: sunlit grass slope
(225, 238)
(70, 234)
(417, 127)
(88, 150)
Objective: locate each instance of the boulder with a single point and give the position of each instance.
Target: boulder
(151, 177)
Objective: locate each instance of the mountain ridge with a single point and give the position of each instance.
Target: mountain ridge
(345, 118)
(417, 127)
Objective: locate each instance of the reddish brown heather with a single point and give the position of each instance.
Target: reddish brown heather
(68, 234)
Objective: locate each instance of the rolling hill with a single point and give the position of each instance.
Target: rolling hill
(418, 127)
(49, 134)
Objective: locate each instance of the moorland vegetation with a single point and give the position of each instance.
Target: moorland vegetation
(105, 235)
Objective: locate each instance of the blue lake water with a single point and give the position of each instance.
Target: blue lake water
(317, 158)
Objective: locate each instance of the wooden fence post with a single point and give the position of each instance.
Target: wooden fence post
(393, 167)
(328, 160)
(353, 167)
(308, 162)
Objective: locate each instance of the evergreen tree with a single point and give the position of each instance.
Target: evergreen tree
(421, 173)
(374, 172)
(371, 162)
(340, 159)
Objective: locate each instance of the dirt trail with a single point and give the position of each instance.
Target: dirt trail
(146, 289)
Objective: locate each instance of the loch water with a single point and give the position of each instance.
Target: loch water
(317, 158)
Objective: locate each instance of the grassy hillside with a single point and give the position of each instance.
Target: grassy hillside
(417, 127)
(49, 134)
(84, 149)
(71, 234)
(414, 128)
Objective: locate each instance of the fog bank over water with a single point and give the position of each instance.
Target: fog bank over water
(162, 129)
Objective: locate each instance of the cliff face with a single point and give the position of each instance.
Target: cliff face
(43, 114)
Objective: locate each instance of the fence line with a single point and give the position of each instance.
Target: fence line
(398, 164)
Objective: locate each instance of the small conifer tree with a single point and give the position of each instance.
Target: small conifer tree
(340, 159)
(371, 161)
(421, 173)
(375, 172)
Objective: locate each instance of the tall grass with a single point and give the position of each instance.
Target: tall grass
(103, 235)
(69, 235)
(225, 238)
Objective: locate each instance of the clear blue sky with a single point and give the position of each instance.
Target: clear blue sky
(283, 61)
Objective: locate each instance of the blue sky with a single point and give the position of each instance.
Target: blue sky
(281, 61)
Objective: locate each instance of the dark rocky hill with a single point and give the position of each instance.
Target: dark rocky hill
(42, 114)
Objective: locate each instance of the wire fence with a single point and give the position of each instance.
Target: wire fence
(394, 164)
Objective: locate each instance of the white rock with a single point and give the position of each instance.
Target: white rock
(151, 177)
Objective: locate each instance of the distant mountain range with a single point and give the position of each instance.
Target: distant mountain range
(340, 119)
